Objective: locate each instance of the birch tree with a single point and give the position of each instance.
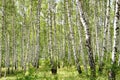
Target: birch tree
(14, 38)
(23, 38)
(107, 21)
(79, 27)
(112, 73)
(38, 34)
(52, 62)
(96, 29)
(7, 53)
(109, 38)
(33, 34)
(72, 38)
(88, 40)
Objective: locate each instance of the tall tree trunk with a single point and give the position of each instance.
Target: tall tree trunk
(72, 38)
(112, 73)
(105, 34)
(38, 34)
(23, 38)
(53, 64)
(8, 54)
(13, 38)
(88, 40)
(79, 27)
(64, 32)
(33, 35)
(28, 48)
(109, 38)
(3, 34)
(96, 29)
(14, 43)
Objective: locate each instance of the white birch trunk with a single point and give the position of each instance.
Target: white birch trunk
(8, 54)
(72, 38)
(33, 51)
(23, 38)
(53, 70)
(109, 38)
(112, 73)
(88, 40)
(116, 31)
(96, 31)
(14, 46)
(80, 41)
(38, 34)
(69, 51)
(50, 32)
(107, 21)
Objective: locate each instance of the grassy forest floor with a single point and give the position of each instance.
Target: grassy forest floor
(44, 73)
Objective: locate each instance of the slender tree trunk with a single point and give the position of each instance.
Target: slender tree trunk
(112, 72)
(79, 27)
(96, 29)
(22, 48)
(63, 29)
(4, 35)
(69, 51)
(23, 38)
(28, 48)
(105, 34)
(13, 38)
(72, 38)
(14, 44)
(109, 38)
(53, 65)
(88, 40)
(55, 34)
(38, 34)
(33, 36)
(8, 54)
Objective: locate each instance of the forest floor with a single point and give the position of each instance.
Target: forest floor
(44, 73)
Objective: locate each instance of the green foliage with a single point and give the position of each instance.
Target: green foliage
(63, 74)
(29, 75)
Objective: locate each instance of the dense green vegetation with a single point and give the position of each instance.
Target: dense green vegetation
(44, 73)
(59, 39)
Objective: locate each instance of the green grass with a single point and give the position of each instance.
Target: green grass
(41, 74)
(44, 73)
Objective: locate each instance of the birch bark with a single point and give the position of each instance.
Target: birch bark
(72, 38)
(38, 34)
(112, 73)
(80, 41)
(88, 40)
